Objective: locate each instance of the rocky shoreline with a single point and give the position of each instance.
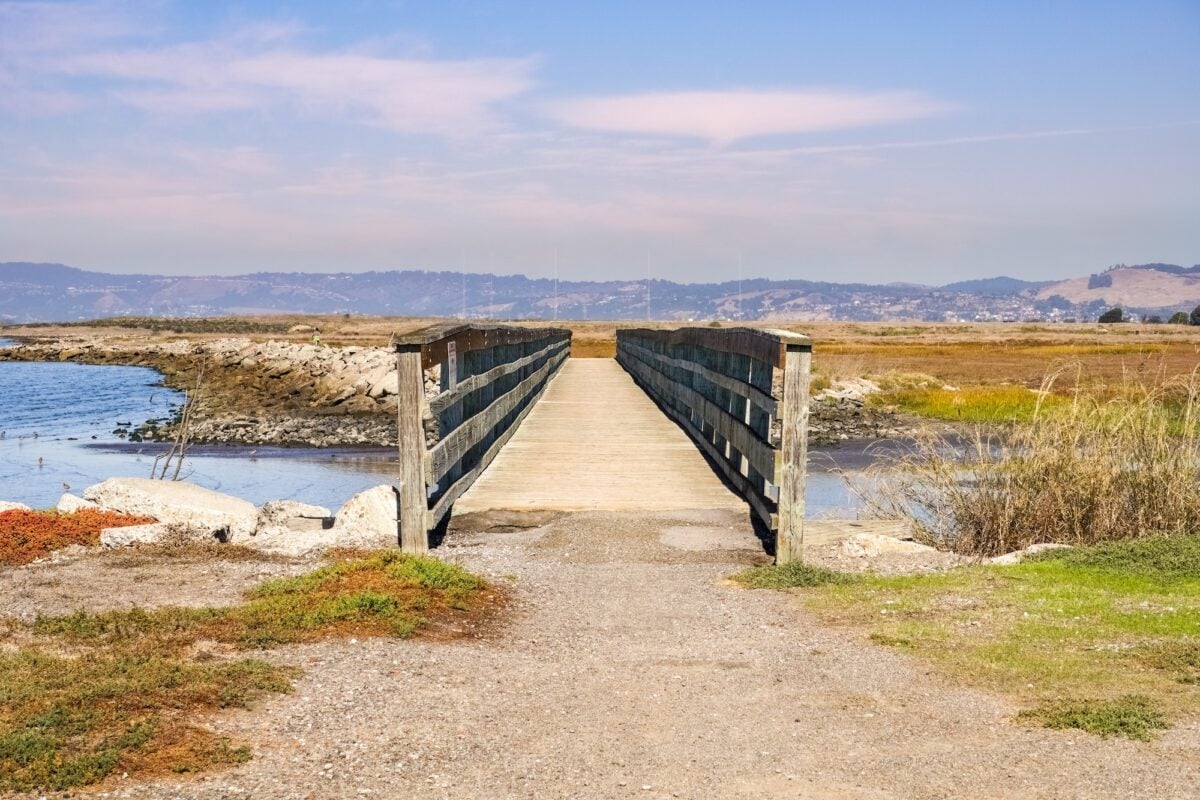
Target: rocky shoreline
(253, 393)
(307, 395)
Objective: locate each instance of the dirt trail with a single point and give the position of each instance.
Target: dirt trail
(631, 669)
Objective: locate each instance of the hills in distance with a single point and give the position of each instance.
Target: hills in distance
(31, 292)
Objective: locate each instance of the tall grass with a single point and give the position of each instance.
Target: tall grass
(1089, 469)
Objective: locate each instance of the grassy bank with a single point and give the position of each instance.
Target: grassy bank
(1103, 638)
(88, 695)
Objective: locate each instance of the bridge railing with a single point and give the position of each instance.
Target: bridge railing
(463, 391)
(742, 395)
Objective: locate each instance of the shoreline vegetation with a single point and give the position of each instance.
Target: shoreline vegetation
(88, 695)
(1103, 638)
(1083, 517)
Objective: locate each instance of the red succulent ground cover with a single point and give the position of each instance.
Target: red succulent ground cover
(29, 535)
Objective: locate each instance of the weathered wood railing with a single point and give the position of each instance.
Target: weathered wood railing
(742, 395)
(463, 390)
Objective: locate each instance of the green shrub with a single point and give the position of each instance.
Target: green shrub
(1131, 716)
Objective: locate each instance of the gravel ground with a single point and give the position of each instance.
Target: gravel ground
(145, 577)
(631, 668)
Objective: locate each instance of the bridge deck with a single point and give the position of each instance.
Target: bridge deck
(596, 441)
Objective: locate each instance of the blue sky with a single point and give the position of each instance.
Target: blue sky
(846, 141)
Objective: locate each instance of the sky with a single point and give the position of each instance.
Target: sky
(692, 141)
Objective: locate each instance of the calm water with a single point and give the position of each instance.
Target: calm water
(58, 421)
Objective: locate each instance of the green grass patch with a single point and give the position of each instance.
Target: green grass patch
(1131, 716)
(1163, 558)
(1103, 622)
(788, 576)
(85, 695)
(974, 404)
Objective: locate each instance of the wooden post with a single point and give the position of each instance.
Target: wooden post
(414, 509)
(793, 415)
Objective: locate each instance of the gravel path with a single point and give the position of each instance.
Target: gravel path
(631, 668)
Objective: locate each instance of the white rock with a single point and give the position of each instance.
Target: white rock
(369, 519)
(285, 512)
(192, 508)
(7, 506)
(390, 384)
(875, 544)
(133, 534)
(69, 504)
(286, 527)
(1017, 556)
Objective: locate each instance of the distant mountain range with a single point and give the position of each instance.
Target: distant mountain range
(53, 293)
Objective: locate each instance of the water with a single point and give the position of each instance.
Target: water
(58, 421)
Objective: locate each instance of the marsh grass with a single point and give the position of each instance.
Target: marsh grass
(1090, 469)
(85, 695)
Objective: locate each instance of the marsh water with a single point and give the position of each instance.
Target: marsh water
(59, 424)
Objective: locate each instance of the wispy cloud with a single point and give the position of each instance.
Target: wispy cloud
(723, 117)
(409, 95)
(56, 58)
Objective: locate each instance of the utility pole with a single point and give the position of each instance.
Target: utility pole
(739, 294)
(647, 285)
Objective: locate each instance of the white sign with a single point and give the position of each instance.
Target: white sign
(452, 365)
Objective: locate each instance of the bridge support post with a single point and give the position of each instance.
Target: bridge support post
(414, 511)
(793, 416)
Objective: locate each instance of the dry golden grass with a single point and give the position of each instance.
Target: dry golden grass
(1090, 469)
(959, 354)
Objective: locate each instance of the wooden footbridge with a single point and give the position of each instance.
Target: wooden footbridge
(500, 417)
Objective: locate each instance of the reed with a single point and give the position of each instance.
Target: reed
(1088, 469)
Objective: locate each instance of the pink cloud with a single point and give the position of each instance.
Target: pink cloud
(727, 116)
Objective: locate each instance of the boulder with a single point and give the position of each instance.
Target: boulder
(290, 528)
(7, 506)
(193, 508)
(369, 519)
(869, 545)
(1016, 556)
(134, 534)
(69, 504)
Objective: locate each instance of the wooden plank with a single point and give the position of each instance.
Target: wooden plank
(752, 393)
(736, 432)
(789, 540)
(764, 345)
(413, 535)
(739, 481)
(447, 500)
(597, 441)
(432, 341)
(447, 400)
(457, 442)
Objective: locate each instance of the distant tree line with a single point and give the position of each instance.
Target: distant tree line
(1117, 314)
